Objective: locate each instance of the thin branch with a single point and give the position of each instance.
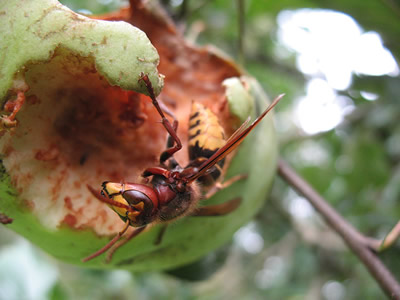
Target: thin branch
(391, 238)
(357, 242)
(241, 29)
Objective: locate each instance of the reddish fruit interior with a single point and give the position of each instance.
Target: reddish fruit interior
(76, 129)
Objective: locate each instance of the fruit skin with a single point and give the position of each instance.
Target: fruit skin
(187, 239)
(31, 31)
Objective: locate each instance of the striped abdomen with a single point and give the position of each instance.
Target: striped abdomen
(206, 136)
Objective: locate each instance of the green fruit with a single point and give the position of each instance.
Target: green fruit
(84, 122)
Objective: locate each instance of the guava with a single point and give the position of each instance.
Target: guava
(75, 114)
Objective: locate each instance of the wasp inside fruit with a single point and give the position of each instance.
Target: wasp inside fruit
(172, 193)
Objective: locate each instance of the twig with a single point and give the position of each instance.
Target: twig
(391, 237)
(357, 242)
(241, 29)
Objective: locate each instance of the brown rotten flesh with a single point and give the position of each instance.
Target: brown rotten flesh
(74, 128)
(71, 118)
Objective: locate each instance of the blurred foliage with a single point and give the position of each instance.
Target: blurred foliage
(281, 254)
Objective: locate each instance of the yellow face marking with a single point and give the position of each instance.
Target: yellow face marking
(113, 188)
(117, 188)
(119, 210)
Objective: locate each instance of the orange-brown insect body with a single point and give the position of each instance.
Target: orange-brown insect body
(172, 191)
(206, 136)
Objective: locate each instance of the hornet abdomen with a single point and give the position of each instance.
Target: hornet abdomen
(206, 136)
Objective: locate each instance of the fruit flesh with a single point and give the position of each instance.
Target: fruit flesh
(76, 128)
